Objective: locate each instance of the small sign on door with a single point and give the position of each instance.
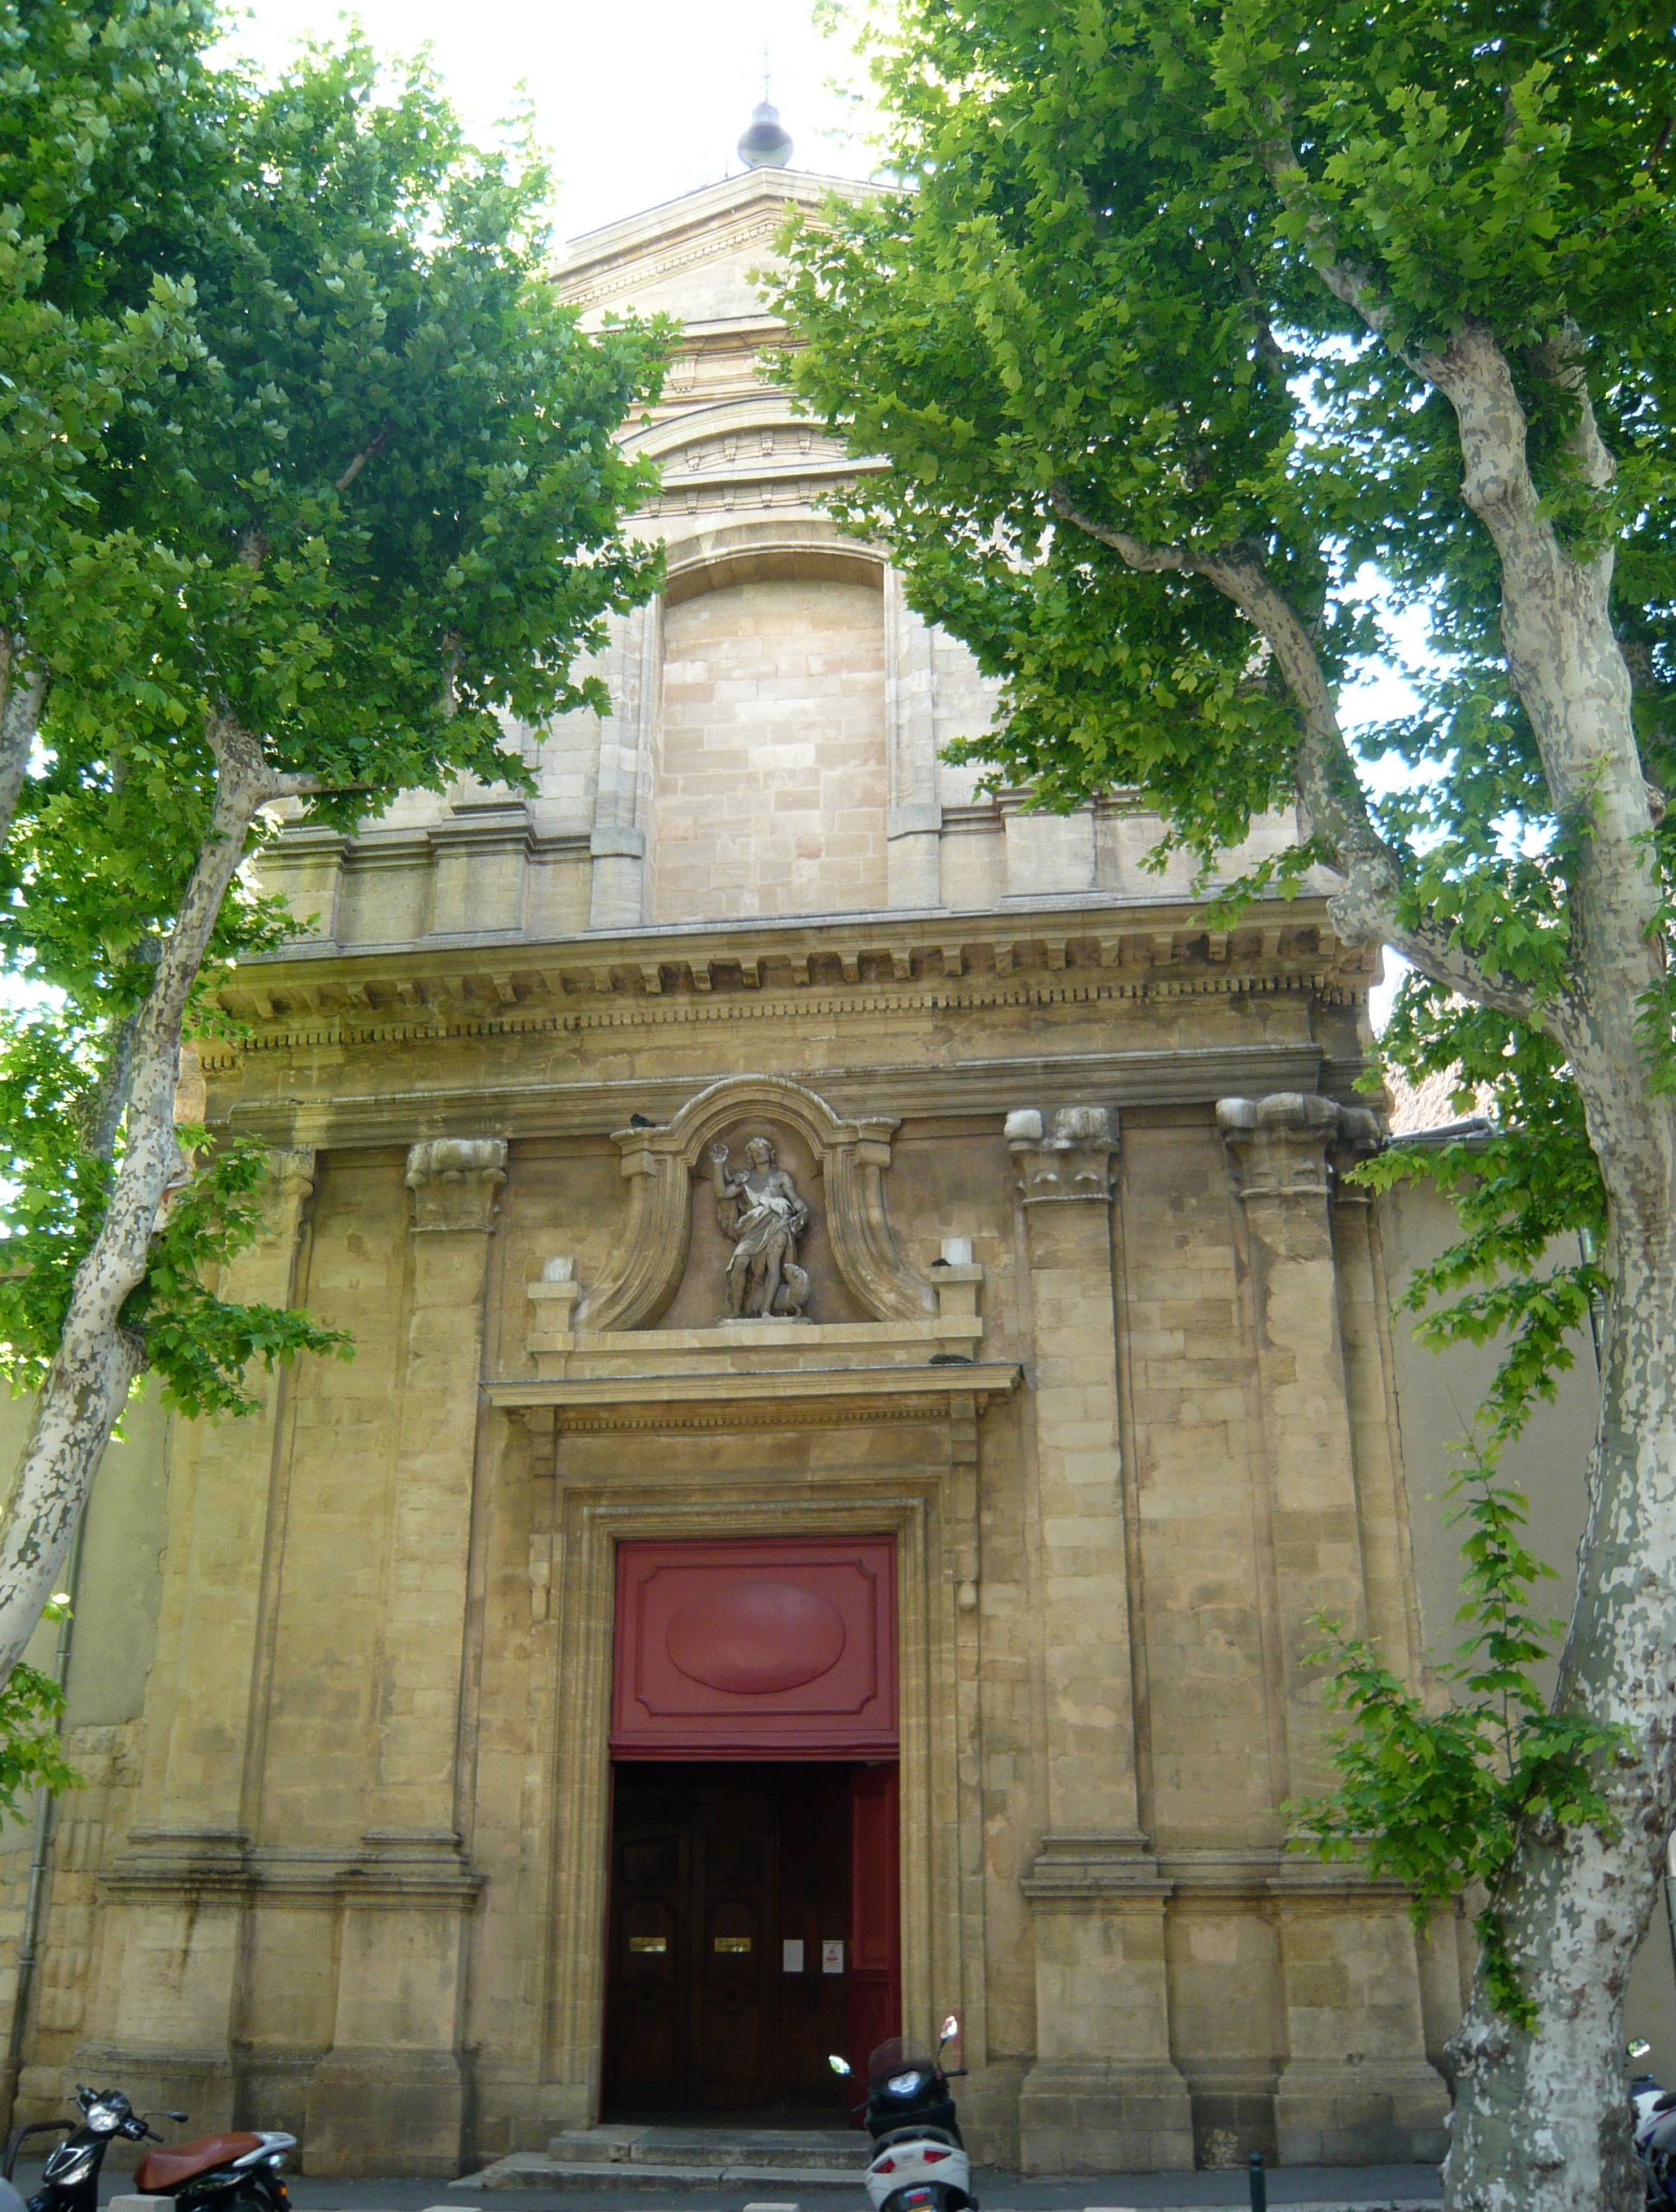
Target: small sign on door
(791, 1955)
(832, 1956)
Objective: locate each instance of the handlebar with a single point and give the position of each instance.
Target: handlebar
(35, 2127)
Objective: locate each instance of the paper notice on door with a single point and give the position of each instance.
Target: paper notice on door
(832, 1957)
(791, 1955)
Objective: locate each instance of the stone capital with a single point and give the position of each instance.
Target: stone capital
(290, 1186)
(1072, 1163)
(1282, 1146)
(455, 1182)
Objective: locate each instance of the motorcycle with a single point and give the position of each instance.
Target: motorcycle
(217, 2173)
(920, 2162)
(1653, 2130)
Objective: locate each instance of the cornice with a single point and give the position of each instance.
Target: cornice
(672, 223)
(791, 1397)
(977, 1090)
(1058, 953)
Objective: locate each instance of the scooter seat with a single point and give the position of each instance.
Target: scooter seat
(919, 2135)
(160, 2173)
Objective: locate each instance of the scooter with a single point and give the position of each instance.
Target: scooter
(918, 2163)
(214, 2174)
(1652, 2129)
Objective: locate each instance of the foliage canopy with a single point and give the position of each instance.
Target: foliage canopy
(299, 454)
(1215, 347)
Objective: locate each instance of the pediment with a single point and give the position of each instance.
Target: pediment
(692, 258)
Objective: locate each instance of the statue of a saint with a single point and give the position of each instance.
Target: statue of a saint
(762, 1215)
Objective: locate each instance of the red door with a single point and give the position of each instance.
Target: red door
(754, 1921)
(875, 1966)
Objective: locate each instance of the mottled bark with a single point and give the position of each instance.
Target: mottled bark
(98, 1359)
(22, 694)
(1541, 2118)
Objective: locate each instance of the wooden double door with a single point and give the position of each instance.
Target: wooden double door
(752, 1931)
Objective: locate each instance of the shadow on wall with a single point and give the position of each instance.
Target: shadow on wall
(1436, 1393)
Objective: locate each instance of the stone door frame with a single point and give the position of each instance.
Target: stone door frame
(591, 1517)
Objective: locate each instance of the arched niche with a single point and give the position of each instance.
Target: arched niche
(769, 767)
(767, 551)
(659, 1165)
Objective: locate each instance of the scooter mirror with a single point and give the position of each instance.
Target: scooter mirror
(951, 2027)
(838, 2065)
(177, 2116)
(1640, 2047)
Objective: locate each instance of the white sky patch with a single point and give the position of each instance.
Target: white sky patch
(635, 103)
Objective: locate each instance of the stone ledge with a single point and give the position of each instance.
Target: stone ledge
(394, 1873)
(830, 1394)
(742, 1347)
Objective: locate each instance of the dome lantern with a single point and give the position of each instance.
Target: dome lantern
(765, 143)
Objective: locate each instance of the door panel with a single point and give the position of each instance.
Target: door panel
(814, 1912)
(647, 2052)
(875, 1977)
(733, 1891)
(715, 1870)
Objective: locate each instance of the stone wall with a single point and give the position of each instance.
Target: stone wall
(768, 782)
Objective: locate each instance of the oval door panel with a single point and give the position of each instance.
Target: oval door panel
(753, 1637)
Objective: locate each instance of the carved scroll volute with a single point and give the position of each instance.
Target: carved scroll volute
(863, 1241)
(652, 1256)
(658, 1164)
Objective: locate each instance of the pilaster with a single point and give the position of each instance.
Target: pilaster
(1357, 2083)
(914, 824)
(1102, 2093)
(1278, 1150)
(189, 1851)
(402, 1952)
(617, 896)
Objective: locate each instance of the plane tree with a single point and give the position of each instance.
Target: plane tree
(307, 483)
(1215, 347)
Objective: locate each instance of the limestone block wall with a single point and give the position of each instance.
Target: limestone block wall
(354, 1885)
(768, 782)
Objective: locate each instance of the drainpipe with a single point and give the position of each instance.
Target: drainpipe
(28, 1940)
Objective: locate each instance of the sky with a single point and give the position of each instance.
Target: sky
(636, 101)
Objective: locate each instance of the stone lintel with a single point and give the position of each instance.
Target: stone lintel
(455, 1182)
(1281, 1146)
(827, 1395)
(1072, 1163)
(771, 1344)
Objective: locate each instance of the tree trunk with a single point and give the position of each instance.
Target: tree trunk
(98, 1359)
(1541, 2119)
(22, 694)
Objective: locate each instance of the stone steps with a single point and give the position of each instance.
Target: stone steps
(683, 2157)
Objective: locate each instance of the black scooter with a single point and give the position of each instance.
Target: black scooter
(920, 2162)
(213, 2174)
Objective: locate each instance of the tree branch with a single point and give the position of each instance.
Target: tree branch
(1359, 288)
(1330, 793)
(373, 445)
(22, 696)
(97, 1358)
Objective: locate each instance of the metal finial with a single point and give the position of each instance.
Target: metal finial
(766, 144)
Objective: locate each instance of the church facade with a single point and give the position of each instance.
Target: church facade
(867, 1365)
